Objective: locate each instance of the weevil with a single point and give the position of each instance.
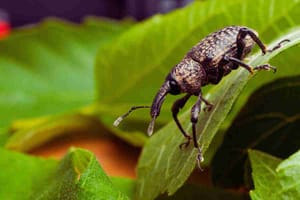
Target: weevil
(206, 63)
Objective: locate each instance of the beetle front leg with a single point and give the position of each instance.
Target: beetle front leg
(194, 119)
(175, 110)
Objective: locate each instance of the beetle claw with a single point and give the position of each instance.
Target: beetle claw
(186, 143)
(266, 67)
(208, 108)
(200, 158)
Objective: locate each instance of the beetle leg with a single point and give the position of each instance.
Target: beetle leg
(209, 106)
(279, 45)
(267, 67)
(243, 32)
(239, 63)
(175, 110)
(194, 119)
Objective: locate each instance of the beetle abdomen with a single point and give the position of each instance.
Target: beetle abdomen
(209, 51)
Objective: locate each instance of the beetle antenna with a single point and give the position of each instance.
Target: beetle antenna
(119, 119)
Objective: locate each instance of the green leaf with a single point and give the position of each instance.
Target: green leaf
(263, 173)
(77, 176)
(273, 179)
(48, 68)
(268, 122)
(125, 185)
(29, 136)
(150, 49)
(135, 64)
(21, 175)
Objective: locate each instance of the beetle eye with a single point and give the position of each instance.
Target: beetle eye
(174, 87)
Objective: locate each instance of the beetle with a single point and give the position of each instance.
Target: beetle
(207, 62)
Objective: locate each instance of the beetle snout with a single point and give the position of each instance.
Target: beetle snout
(156, 105)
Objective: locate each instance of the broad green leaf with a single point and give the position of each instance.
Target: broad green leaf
(264, 174)
(275, 179)
(21, 175)
(48, 68)
(268, 122)
(77, 176)
(163, 167)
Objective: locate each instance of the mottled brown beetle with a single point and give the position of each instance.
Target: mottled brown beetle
(206, 63)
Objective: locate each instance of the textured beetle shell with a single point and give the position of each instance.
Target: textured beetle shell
(205, 58)
(212, 48)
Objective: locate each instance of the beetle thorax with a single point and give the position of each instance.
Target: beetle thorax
(189, 75)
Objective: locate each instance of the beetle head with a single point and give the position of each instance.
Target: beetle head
(169, 86)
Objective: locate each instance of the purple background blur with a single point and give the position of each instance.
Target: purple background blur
(22, 12)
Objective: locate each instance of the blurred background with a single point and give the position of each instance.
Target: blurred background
(16, 13)
(20, 13)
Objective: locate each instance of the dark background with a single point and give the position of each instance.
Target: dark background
(23, 12)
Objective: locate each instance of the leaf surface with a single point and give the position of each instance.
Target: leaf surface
(275, 179)
(48, 68)
(77, 176)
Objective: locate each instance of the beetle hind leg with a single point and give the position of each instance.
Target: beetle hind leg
(279, 45)
(238, 62)
(266, 67)
(245, 31)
